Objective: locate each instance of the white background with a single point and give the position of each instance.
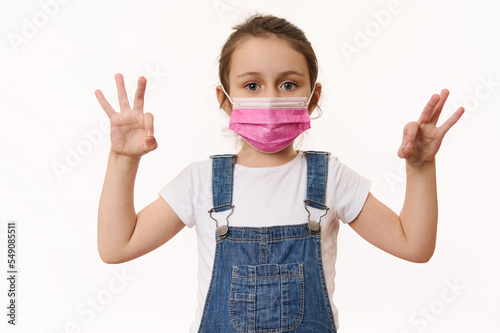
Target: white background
(48, 75)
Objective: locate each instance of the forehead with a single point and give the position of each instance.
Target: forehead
(268, 56)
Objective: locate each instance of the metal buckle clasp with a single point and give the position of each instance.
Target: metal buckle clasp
(223, 230)
(314, 226)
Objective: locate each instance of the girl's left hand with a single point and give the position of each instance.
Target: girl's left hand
(422, 139)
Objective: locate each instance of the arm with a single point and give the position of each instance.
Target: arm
(116, 215)
(122, 234)
(412, 234)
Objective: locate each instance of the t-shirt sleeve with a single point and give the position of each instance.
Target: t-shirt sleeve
(350, 191)
(178, 193)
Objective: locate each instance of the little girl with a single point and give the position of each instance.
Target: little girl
(267, 218)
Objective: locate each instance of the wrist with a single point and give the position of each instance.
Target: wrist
(421, 169)
(123, 158)
(423, 165)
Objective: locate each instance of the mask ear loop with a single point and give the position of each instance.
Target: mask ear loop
(310, 98)
(227, 95)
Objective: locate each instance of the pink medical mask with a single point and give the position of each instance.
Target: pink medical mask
(270, 124)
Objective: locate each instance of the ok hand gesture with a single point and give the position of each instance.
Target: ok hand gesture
(131, 129)
(422, 139)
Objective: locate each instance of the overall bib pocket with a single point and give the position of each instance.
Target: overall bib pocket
(267, 298)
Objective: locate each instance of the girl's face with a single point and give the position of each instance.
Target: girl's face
(267, 67)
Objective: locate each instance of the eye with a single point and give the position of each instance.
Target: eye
(252, 86)
(288, 85)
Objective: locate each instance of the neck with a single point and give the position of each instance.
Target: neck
(250, 157)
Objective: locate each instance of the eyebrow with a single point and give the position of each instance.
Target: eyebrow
(281, 74)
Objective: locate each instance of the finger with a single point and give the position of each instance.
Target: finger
(104, 103)
(409, 135)
(427, 112)
(439, 107)
(452, 120)
(122, 93)
(148, 124)
(139, 94)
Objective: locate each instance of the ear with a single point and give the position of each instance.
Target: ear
(226, 106)
(315, 98)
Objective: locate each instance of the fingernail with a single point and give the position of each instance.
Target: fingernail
(150, 133)
(409, 144)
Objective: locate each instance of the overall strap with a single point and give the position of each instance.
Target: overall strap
(317, 179)
(222, 187)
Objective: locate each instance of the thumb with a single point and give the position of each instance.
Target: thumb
(409, 134)
(151, 144)
(149, 129)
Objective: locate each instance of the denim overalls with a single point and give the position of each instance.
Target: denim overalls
(268, 279)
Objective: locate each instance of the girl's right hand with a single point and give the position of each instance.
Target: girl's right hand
(131, 129)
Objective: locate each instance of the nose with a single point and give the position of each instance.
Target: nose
(271, 91)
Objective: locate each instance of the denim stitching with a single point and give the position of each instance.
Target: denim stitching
(252, 240)
(302, 295)
(210, 290)
(276, 227)
(213, 183)
(308, 159)
(241, 299)
(265, 246)
(281, 294)
(231, 181)
(325, 177)
(231, 302)
(225, 168)
(326, 297)
(270, 277)
(233, 237)
(228, 194)
(261, 248)
(299, 276)
(255, 307)
(320, 159)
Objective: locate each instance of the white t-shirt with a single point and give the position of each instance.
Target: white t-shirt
(264, 197)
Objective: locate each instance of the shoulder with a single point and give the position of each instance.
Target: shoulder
(194, 172)
(201, 165)
(333, 160)
(343, 178)
(198, 166)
